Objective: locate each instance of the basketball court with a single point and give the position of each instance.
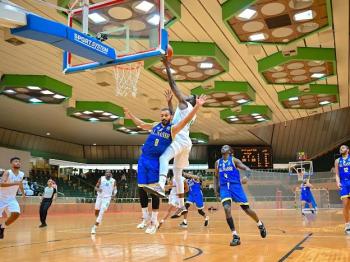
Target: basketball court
(270, 79)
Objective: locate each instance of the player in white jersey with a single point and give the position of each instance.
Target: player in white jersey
(173, 198)
(180, 147)
(106, 188)
(10, 182)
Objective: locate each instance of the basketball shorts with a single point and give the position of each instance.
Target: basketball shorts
(9, 206)
(147, 171)
(233, 192)
(345, 189)
(102, 203)
(196, 199)
(306, 197)
(173, 200)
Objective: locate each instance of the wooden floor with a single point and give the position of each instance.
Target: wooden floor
(290, 238)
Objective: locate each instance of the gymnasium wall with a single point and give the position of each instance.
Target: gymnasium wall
(6, 154)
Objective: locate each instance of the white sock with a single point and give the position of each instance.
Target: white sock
(259, 223)
(154, 218)
(185, 221)
(234, 233)
(145, 214)
(207, 218)
(162, 181)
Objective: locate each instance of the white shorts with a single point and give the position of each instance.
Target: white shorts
(102, 202)
(173, 200)
(182, 154)
(9, 206)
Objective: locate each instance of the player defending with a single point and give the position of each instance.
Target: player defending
(10, 181)
(231, 190)
(342, 176)
(106, 187)
(195, 196)
(181, 146)
(173, 198)
(158, 141)
(306, 197)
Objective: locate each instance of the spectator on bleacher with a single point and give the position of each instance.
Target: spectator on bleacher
(49, 195)
(26, 188)
(34, 186)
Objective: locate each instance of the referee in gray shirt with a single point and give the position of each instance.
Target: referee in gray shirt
(47, 198)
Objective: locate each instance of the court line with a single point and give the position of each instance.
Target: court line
(296, 247)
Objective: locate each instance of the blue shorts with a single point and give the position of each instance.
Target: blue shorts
(196, 199)
(147, 171)
(306, 197)
(233, 192)
(345, 189)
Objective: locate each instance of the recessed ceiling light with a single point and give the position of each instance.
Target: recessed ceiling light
(87, 112)
(201, 141)
(98, 111)
(261, 119)
(257, 37)
(255, 114)
(154, 20)
(46, 92)
(57, 96)
(171, 70)
(35, 100)
(317, 75)
(294, 98)
(114, 117)
(122, 128)
(77, 114)
(230, 117)
(33, 87)
(144, 6)
(257, 117)
(94, 144)
(97, 18)
(324, 103)
(234, 119)
(206, 65)
(133, 132)
(247, 13)
(93, 119)
(106, 114)
(241, 101)
(305, 15)
(48, 133)
(10, 91)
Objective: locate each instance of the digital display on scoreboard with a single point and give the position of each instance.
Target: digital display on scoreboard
(255, 157)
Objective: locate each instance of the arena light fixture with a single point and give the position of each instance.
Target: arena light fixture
(95, 111)
(243, 114)
(154, 20)
(127, 126)
(226, 94)
(144, 6)
(97, 18)
(307, 65)
(275, 22)
(255, 114)
(35, 89)
(293, 98)
(199, 138)
(314, 96)
(187, 62)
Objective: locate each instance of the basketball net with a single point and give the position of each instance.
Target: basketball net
(301, 175)
(126, 78)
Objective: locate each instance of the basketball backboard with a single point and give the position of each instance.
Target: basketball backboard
(134, 28)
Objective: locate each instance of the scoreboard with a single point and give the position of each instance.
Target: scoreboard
(255, 157)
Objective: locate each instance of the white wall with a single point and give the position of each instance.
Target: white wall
(6, 154)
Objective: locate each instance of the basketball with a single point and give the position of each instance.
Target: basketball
(169, 53)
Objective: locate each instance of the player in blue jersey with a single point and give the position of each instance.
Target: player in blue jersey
(342, 176)
(306, 197)
(228, 179)
(156, 143)
(195, 196)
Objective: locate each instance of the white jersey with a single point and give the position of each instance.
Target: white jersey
(183, 137)
(8, 193)
(173, 191)
(107, 187)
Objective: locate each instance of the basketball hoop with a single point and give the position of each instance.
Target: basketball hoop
(126, 78)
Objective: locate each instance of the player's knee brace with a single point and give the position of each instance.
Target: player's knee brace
(245, 208)
(143, 197)
(201, 212)
(155, 202)
(227, 208)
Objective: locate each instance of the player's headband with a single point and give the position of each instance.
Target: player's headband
(225, 149)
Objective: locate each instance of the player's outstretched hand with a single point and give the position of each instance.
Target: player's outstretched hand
(126, 112)
(339, 185)
(201, 100)
(244, 180)
(168, 95)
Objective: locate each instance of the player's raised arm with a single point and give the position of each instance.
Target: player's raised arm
(199, 103)
(336, 166)
(169, 97)
(137, 121)
(242, 166)
(174, 88)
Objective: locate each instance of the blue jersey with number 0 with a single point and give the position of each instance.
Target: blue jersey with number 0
(228, 173)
